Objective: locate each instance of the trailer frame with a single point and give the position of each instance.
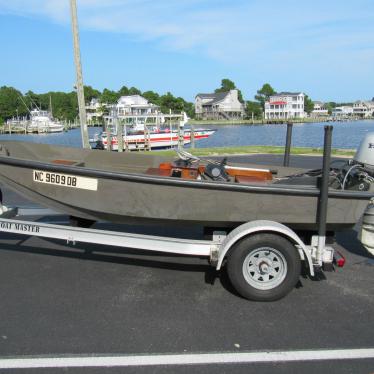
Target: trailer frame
(216, 250)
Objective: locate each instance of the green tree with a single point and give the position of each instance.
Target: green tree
(109, 96)
(227, 85)
(264, 93)
(308, 104)
(330, 106)
(152, 97)
(90, 93)
(255, 108)
(11, 103)
(64, 105)
(168, 101)
(189, 108)
(134, 91)
(32, 99)
(123, 91)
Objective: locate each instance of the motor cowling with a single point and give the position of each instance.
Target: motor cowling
(365, 152)
(366, 234)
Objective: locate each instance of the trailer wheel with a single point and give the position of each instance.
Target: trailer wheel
(264, 267)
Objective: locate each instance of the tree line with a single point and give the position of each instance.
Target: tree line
(65, 105)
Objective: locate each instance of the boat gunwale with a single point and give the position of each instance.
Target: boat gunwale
(170, 181)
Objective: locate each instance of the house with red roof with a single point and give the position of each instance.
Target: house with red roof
(285, 105)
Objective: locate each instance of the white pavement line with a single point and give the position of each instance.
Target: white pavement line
(185, 359)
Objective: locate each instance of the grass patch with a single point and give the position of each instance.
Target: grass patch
(217, 151)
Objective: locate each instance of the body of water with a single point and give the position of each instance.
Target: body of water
(345, 135)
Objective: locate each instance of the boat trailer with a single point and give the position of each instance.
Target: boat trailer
(263, 258)
(262, 253)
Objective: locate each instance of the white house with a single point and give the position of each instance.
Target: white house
(95, 111)
(363, 109)
(220, 105)
(342, 111)
(135, 105)
(285, 105)
(126, 106)
(319, 110)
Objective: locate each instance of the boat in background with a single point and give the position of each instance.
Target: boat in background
(41, 121)
(140, 135)
(154, 139)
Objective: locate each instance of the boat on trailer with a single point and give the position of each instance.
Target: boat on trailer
(265, 214)
(147, 188)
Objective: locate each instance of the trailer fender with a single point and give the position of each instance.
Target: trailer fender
(255, 227)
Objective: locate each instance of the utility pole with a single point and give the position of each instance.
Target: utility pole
(79, 77)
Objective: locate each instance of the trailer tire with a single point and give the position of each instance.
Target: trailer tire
(264, 267)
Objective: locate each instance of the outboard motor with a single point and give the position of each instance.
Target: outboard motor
(365, 152)
(358, 174)
(365, 157)
(366, 234)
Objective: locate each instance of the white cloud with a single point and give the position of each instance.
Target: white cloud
(229, 31)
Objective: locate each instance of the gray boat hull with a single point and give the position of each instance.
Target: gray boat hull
(125, 195)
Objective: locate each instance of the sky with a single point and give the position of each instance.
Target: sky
(323, 48)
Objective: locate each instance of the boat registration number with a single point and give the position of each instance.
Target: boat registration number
(65, 180)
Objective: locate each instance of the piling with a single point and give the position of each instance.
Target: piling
(119, 128)
(287, 151)
(192, 136)
(180, 134)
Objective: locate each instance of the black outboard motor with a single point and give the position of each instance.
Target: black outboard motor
(217, 172)
(358, 174)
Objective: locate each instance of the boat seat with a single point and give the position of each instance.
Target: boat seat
(244, 179)
(184, 173)
(158, 171)
(247, 172)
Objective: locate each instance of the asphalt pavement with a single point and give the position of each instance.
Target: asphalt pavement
(59, 300)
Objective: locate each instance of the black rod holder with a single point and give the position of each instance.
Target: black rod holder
(324, 186)
(287, 150)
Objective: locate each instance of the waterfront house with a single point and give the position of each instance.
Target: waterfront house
(363, 109)
(343, 111)
(135, 105)
(134, 109)
(320, 110)
(95, 111)
(285, 105)
(126, 106)
(219, 105)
